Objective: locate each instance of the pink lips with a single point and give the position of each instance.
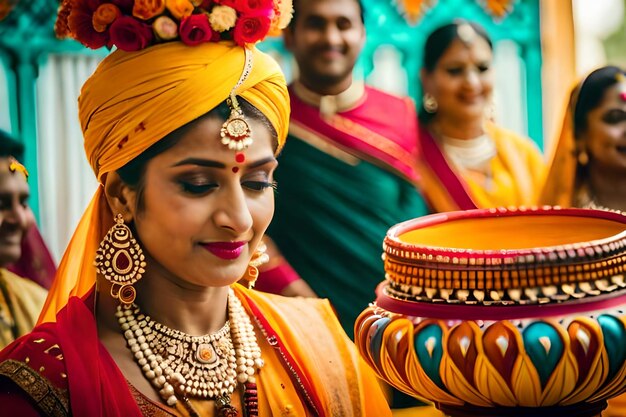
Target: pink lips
(225, 250)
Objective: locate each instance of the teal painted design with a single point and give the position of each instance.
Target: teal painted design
(545, 348)
(429, 349)
(614, 342)
(375, 337)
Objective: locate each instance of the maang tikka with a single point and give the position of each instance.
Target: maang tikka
(121, 261)
(235, 131)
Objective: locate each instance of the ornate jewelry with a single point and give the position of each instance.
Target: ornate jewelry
(121, 261)
(180, 365)
(621, 79)
(235, 131)
(15, 166)
(259, 258)
(430, 103)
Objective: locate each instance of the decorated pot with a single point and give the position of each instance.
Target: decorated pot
(503, 312)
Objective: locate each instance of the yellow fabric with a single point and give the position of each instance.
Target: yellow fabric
(518, 172)
(133, 100)
(20, 303)
(345, 385)
(559, 188)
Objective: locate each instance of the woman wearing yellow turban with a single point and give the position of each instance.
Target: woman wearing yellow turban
(182, 125)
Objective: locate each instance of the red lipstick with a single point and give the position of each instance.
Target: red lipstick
(225, 250)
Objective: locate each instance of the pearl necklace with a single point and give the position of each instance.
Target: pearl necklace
(181, 365)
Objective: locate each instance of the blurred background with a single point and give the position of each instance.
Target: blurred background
(541, 47)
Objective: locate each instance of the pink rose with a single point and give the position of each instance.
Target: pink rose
(251, 29)
(195, 29)
(129, 34)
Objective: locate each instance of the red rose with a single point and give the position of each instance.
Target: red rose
(129, 34)
(80, 24)
(195, 29)
(235, 4)
(251, 29)
(256, 6)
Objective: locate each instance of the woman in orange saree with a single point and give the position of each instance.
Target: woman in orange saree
(466, 160)
(183, 137)
(589, 160)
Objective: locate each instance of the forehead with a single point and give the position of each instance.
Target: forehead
(13, 183)
(328, 9)
(202, 140)
(477, 51)
(613, 96)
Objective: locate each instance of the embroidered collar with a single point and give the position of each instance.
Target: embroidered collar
(330, 105)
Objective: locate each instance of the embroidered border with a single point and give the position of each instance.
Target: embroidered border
(52, 401)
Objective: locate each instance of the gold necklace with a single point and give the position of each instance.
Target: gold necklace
(181, 365)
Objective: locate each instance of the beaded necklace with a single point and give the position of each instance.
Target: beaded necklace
(208, 367)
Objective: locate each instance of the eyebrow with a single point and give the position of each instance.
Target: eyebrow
(215, 164)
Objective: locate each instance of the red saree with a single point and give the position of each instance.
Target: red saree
(65, 360)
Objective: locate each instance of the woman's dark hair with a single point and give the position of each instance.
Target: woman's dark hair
(133, 172)
(10, 146)
(590, 93)
(440, 39)
(438, 43)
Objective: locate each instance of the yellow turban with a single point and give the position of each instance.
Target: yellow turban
(133, 100)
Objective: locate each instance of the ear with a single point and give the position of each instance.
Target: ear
(426, 80)
(121, 198)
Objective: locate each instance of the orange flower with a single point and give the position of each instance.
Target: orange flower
(104, 15)
(147, 9)
(179, 8)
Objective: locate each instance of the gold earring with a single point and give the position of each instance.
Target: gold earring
(259, 258)
(120, 260)
(430, 103)
(583, 158)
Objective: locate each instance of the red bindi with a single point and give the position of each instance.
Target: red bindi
(235, 170)
(240, 157)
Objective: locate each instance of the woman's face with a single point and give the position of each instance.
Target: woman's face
(605, 136)
(13, 213)
(204, 213)
(462, 80)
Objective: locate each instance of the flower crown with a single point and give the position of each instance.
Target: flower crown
(132, 25)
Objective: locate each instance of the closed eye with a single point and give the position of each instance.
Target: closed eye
(259, 185)
(196, 189)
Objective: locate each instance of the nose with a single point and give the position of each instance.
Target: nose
(472, 79)
(233, 213)
(332, 35)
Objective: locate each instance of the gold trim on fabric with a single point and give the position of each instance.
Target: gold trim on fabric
(321, 144)
(329, 105)
(374, 139)
(51, 400)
